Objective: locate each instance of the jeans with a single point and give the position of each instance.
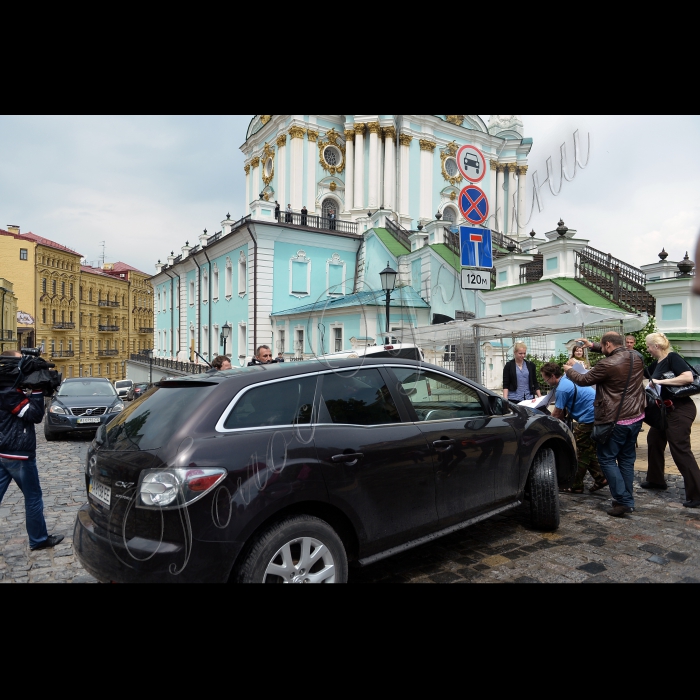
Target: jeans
(617, 458)
(25, 473)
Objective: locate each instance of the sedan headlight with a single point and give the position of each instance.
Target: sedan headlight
(174, 488)
(56, 409)
(117, 408)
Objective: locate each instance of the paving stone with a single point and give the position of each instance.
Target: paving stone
(592, 567)
(658, 560)
(677, 556)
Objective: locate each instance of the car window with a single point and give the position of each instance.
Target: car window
(123, 383)
(149, 424)
(86, 388)
(438, 397)
(289, 402)
(403, 354)
(358, 398)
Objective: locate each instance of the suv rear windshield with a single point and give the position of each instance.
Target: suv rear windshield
(123, 383)
(150, 423)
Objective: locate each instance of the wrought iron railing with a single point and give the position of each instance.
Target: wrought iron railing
(503, 241)
(532, 271)
(107, 352)
(145, 330)
(103, 327)
(63, 326)
(166, 362)
(398, 232)
(614, 279)
(313, 221)
(103, 302)
(63, 353)
(7, 335)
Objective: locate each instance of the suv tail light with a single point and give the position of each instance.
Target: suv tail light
(175, 488)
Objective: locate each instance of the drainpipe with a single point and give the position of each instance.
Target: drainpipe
(209, 303)
(2, 316)
(255, 292)
(172, 316)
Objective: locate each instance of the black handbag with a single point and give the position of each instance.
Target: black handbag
(656, 412)
(602, 431)
(678, 392)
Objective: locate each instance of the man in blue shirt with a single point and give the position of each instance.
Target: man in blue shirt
(578, 402)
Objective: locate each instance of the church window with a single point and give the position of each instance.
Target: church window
(229, 278)
(332, 155)
(300, 275)
(242, 274)
(451, 167)
(328, 204)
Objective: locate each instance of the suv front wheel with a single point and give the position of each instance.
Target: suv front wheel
(544, 491)
(299, 549)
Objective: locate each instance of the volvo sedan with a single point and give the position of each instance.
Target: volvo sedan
(286, 473)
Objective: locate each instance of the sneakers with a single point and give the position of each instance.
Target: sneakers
(50, 541)
(692, 504)
(618, 511)
(651, 485)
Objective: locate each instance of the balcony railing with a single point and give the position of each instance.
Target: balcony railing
(7, 335)
(62, 353)
(104, 351)
(63, 326)
(313, 221)
(107, 303)
(145, 330)
(190, 367)
(398, 232)
(102, 327)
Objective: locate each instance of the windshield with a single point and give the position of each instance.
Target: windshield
(123, 383)
(152, 421)
(86, 388)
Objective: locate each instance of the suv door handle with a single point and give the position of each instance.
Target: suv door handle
(444, 445)
(350, 458)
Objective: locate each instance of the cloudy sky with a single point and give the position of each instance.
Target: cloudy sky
(145, 185)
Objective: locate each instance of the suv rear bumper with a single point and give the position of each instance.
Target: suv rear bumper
(108, 558)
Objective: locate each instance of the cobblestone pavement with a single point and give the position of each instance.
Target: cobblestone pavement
(659, 542)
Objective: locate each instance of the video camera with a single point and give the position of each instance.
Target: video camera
(29, 371)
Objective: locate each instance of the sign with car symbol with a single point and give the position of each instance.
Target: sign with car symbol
(471, 163)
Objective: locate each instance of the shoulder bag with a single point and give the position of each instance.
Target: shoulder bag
(602, 431)
(679, 392)
(655, 414)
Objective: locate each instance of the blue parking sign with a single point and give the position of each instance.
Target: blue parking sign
(475, 245)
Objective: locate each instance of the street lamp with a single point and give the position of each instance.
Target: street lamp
(149, 353)
(225, 335)
(388, 277)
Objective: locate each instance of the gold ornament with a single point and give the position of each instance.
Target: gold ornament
(389, 132)
(281, 140)
(268, 154)
(426, 145)
(521, 169)
(246, 168)
(332, 186)
(264, 118)
(359, 128)
(296, 132)
(455, 119)
(511, 167)
(374, 127)
(453, 195)
(331, 138)
(500, 167)
(349, 135)
(449, 152)
(255, 162)
(494, 164)
(405, 139)
(312, 135)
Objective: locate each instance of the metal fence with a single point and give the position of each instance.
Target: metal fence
(313, 221)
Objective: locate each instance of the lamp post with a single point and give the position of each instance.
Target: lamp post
(225, 334)
(388, 277)
(149, 353)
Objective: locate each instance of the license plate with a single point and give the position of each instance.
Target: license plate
(89, 419)
(101, 492)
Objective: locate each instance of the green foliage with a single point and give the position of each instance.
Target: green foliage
(560, 359)
(640, 339)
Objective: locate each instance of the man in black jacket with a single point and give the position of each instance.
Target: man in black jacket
(19, 412)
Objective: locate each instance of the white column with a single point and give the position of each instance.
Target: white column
(281, 168)
(373, 188)
(254, 179)
(426, 178)
(358, 197)
(296, 174)
(522, 174)
(405, 147)
(512, 199)
(492, 194)
(311, 159)
(349, 168)
(247, 188)
(389, 167)
(499, 198)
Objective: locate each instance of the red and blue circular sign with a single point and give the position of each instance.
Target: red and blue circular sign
(473, 204)
(471, 163)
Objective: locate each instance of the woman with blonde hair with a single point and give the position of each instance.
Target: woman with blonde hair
(520, 376)
(670, 369)
(577, 355)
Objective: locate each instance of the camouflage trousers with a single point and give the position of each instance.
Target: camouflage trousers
(587, 458)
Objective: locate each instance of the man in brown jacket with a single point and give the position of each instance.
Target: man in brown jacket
(610, 376)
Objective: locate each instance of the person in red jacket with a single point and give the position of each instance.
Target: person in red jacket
(19, 412)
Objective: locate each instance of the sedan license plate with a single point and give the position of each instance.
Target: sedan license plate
(89, 419)
(101, 492)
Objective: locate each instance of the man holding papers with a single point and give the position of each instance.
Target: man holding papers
(578, 401)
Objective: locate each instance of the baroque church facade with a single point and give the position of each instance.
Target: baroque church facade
(355, 192)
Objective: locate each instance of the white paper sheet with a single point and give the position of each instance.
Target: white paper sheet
(536, 402)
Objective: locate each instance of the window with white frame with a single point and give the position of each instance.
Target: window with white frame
(300, 275)
(242, 341)
(299, 342)
(205, 286)
(337, 339)
(281, 339)
(229, 278)
(191, 296)
(242, 274)
(205, 341)
(215, 282)
(335, 276)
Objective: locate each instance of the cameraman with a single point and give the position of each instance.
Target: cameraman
(18, 414)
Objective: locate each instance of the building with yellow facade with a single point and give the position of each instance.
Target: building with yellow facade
(87, 319)
(8, 316)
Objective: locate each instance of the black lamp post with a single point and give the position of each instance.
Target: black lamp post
(388, 277)
(225, 334)
(149, 354)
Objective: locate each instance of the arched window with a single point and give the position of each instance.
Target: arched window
(329, 204)
(449, 214)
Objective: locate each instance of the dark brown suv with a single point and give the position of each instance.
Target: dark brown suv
(284, 473)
